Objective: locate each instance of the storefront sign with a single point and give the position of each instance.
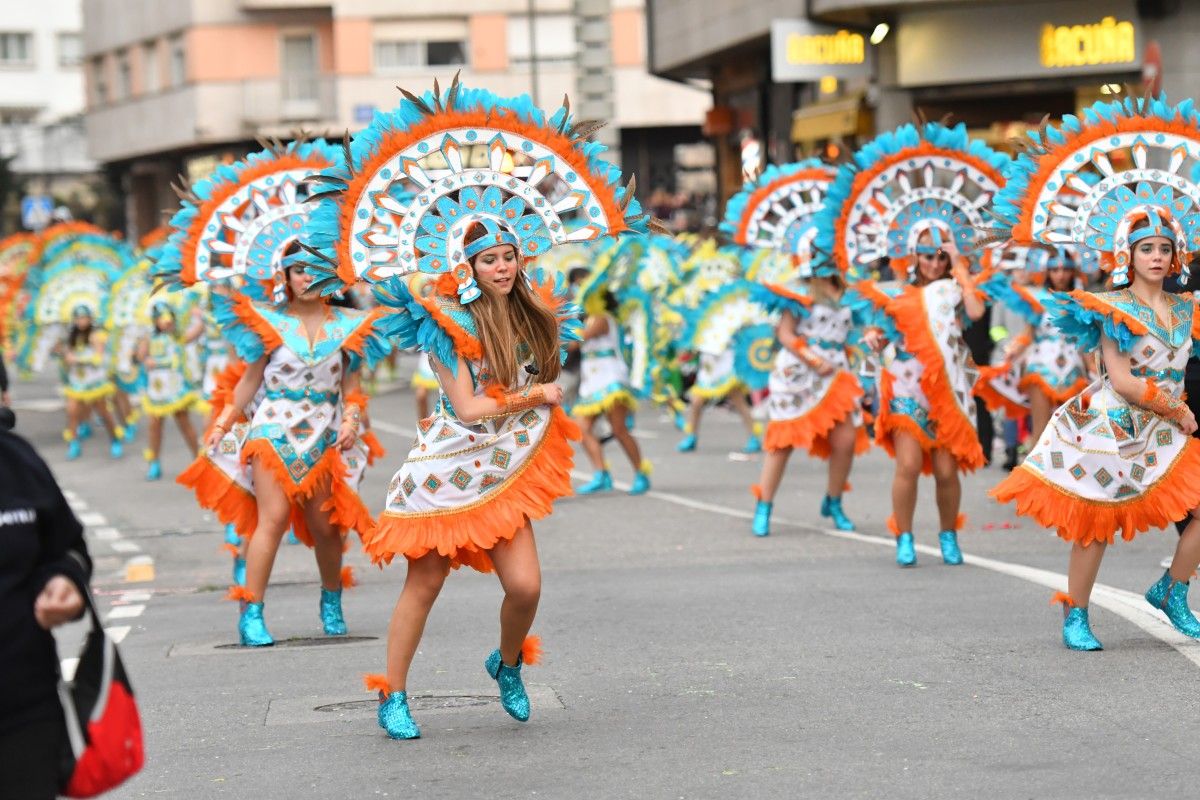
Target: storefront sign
(1018, 41)
(803, 51)
(1105, 42)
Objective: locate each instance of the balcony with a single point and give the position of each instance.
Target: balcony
(282, 5)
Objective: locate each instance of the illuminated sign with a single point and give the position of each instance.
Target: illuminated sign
(804, 51)
(842, 47)
(1105, 42)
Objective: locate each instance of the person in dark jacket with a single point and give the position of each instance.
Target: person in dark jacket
(44, 571)
(979, 341)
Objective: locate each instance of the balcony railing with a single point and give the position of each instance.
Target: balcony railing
(288, 100)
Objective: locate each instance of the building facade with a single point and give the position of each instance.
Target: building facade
(176, 87)
(41, 99)
(837, 71)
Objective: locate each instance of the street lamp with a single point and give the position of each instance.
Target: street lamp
(880, 33)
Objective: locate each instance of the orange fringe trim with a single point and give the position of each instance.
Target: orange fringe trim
(375, 450)
(887, 425)
(1076, 519)
(231, 549)
(783, 291)
(377, 683)
(992, 398)
(531, 651)
(1033, 381)
(1062, 597)
(397, 140)
(466, 536)
(240, 593)
(222, 395)
(955, 432)
(757, 491)
(348, 579)
(221, 495)
(1093, 303)
(247, 314)
(810, 431)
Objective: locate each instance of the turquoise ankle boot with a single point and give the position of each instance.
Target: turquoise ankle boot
(74, 449)
(687, 444)
(1077, 632)
(331, 613)
(831, 507)
(154, 471)
(395, 718)
(906, 554)
(512, 690)
(753, 445)
(252, 628)
(762, 518)
(1170, 596)
(641, 484)
(600, 482)
(951, 554)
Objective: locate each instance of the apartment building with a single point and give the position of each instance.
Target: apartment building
(178, 86)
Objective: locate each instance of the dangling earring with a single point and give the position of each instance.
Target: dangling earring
(1120, 275)
(468, 290)
(279, 287)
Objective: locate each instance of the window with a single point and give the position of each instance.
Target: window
(445, 54)
(392, 55)
(178, 61)
(70, 50)
(151, 81)
(407, 55)
(554, 38)
(99, 81)
(124, 76)
(16, 49)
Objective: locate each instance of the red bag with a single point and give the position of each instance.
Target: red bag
(103, 726)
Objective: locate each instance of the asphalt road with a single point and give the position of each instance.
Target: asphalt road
(685, 658)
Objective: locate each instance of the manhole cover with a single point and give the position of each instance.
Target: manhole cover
(306, 641)
(416, 703)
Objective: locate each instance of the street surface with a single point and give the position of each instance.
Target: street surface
(684, 658)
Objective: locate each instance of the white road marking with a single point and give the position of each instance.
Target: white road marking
(106, 534)
(117, 633)
(123, 546)
(133, 597)
(125, 612)
(93, 519)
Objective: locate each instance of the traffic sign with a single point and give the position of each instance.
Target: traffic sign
(37, 211)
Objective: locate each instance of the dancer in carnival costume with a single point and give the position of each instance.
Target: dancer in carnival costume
(127, 326)
(285, 444)
(1118, 457)
(168, 391)
(815, 397)
(916, 196)
(1042, 367)
(699, 302)
(66, 316)
(604, 386)
(496, 453)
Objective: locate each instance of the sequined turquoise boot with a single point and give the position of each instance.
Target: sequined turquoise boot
(753, 445)
(74, 449)
(640, 485)
(687, 444)
(252, 628)
(1077, 633)
(906, 554)
(600, 482)
(85, 430)
(831, 507)
(396, 719)
(512, 690)
(115, 448)
(154, 471)
(1170, 595)
(331, 613)
(762, 518)
(951, 554)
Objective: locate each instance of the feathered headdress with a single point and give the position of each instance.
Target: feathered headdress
(413, 183)
(902, 184)
(1127, 164)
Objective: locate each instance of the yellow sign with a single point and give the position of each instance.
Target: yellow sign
(842, 47)
(1103, 42)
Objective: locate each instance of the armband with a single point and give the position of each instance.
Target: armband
(1161, 403)
(529, 397)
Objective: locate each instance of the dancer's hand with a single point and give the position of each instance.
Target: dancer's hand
(824, 367)
(58, 602)
(874, 339)
(553, 394)
(213, 439)
(347, 435)
(1187, 422)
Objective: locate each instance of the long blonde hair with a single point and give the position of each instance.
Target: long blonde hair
(506, 322)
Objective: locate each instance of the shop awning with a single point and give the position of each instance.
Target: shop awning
(831, 119)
